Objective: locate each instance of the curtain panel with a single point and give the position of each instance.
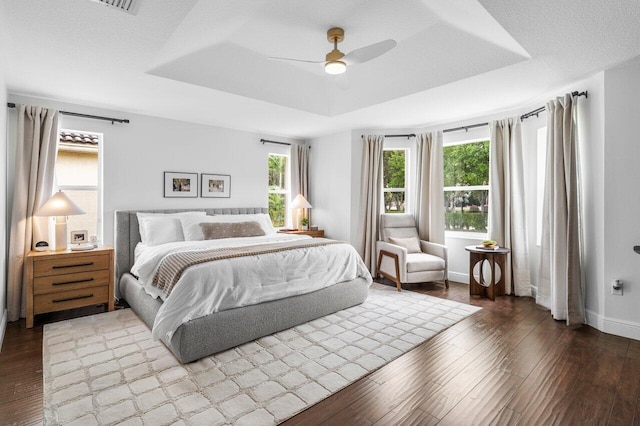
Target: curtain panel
(299, 177)
(429, 206)
(370, 199)
(36, 148)
(560, 286)
(507, 223)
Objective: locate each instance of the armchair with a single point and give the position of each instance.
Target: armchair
(404, 258)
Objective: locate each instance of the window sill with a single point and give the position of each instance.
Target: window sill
(466, 235)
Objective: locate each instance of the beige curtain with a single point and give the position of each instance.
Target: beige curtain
(560, 286)
(300, 175)
(507, 224)
(429, 206)
(370, 198)
(37, 135)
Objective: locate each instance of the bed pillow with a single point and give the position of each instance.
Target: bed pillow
(412, 244)
(193, 231)
(162, 228)
(216, 231)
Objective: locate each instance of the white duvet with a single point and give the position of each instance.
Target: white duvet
(230, 283)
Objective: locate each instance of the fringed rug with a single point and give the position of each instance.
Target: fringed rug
(106, 369)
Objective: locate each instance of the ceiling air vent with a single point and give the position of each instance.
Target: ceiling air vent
(129, 6)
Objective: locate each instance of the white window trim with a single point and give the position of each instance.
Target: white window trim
(462, 234)
(408, 167)
(286, 192)
(99, 187)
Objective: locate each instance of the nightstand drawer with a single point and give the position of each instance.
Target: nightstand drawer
(70, 265)
(56, 283)
(62, 300)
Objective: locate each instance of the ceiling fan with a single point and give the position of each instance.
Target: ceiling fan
(336, 62)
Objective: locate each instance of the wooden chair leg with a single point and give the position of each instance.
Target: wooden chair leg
(395, 279)
(446, 283)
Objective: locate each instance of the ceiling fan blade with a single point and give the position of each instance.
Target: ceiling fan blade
(295, 60)
(370, 52)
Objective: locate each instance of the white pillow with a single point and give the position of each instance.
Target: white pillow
(193, 231)
(412, 244)
(162, 228)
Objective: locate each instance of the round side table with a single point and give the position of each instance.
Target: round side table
(487, 288)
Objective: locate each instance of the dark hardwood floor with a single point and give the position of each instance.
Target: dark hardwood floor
(510, 363)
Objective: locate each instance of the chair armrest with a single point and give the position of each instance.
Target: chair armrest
(437, 250)
(434, 249)
(401, 252)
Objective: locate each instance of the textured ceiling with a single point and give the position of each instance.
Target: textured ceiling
(206, 61)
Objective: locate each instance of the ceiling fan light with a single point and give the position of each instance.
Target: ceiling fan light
(335, 67)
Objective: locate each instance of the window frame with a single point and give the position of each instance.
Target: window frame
(287, 191)
(99, 187)
(541, 170)
(463, 141)
(407, 145)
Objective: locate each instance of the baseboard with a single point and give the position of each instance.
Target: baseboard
(3, 327)
(459, 277)
(617, 327)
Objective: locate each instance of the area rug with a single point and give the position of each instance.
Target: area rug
(106, 369)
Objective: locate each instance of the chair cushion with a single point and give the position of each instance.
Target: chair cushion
(412, 244)
(397, 225)
(417, 262)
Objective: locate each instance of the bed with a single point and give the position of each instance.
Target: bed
(215, 332)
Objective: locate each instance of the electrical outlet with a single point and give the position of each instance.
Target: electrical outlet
(616, 287)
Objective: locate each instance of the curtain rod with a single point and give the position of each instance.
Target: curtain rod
(539, 110)
(276, 142)
(76, 114)
(465, 128)
(410, 135)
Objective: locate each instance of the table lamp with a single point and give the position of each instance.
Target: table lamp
(300, 203)
(60, 206)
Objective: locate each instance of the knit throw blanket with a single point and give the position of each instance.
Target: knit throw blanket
(173, 265)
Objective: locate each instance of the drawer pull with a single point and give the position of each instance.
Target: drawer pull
(73, 266)
(72, 298)
(73, 282)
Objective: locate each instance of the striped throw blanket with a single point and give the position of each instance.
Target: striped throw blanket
(173, 265)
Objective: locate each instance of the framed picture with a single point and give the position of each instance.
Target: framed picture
(180, 185)
(79, 237)
(215, 186)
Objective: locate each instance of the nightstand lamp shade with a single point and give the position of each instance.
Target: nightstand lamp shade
(300, 203)
(60, 206)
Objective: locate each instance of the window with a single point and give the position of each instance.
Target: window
(394, 178)
(540, 178)
(278, 189)
(78, 174)
(466, 186)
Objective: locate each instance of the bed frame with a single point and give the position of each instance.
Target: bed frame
(223, 330)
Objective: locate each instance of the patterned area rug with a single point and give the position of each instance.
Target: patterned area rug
(106, 369)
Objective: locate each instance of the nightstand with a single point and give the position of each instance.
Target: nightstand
(59, 280)
(315, 234)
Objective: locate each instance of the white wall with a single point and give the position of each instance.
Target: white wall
(330, 169)
(592, 155)
(137, 154)
(622, 198)
(3, 208)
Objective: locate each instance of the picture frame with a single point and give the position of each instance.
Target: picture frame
(215, 186)
(180, 185)
(79, 237)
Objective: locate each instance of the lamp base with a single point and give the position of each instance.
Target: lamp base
(61, 233)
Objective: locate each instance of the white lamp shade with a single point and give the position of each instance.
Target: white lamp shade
(300, 203)
(59, 205)
(335, 67)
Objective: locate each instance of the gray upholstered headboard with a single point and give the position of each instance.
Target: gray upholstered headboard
(127, 231)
